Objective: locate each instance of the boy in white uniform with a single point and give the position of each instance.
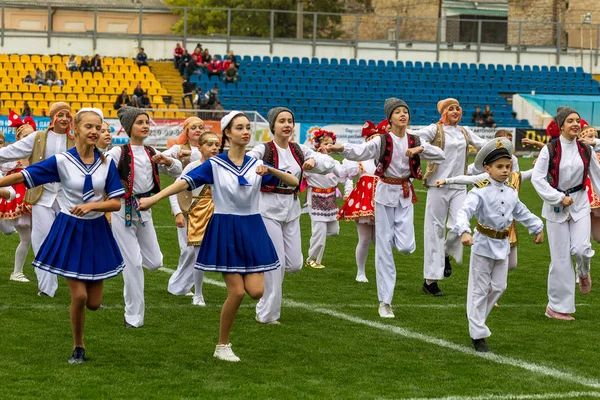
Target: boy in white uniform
(495, 203)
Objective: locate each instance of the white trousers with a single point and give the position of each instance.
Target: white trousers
(441, 209)
(139, 246)
(318, 239)
(286, 239)
(42, 218)
(182, 280)
(487, 282)
(566, 239)
(394, 227)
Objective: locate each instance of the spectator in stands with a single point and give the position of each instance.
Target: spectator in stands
(177, 53)
(206, 58)
(192, 68)
(26, 111)
(85, 65)
(52, 77)
(219, 111)
(481, 123)
(231, 75)
(141, 58)
(138, 91)
(197, 56)
(122, 100)
(97, 64)
(489, 122)
(28, 78)
(198, 48)
(135, 101)
(183, 62)
(72, 63)
(232, 58)
(40, 77)
(476, 115)
(215, 67)
(145, 101)
(188, 92)
(487, 112)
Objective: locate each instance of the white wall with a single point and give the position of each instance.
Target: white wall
(163, 49)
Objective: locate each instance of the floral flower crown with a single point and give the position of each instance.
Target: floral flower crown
(320, 134)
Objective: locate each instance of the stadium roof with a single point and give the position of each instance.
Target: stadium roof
(153, 4)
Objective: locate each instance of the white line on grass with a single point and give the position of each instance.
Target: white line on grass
(542, 396)
(407, 333)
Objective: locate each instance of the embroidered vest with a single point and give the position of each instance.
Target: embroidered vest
(32, 196)
(272, 157)
(555, 153)
(386, 151)
(127, 173)
(439, 140)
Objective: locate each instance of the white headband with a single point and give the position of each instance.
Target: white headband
(96, 111)
(227, 119)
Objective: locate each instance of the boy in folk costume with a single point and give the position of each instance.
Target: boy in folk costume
(139, 168)
(494, 203)
(398, 162)
(559, 177)
(46, 200)
(322, 203)
(444, 202)
(359, 206)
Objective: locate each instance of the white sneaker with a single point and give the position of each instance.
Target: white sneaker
(189, 294)
(224, 352)
(361, 278)
(18, 277)
(198, 300)
(385, 311)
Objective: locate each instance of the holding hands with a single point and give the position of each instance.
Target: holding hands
(410, 153)
(539, 238)
(566, 201)
(146, 203)
(466, 239)
(161, 159)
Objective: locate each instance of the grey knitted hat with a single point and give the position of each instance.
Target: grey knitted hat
(274, 112)
(391, 104)
(562, 113)
(127, 116)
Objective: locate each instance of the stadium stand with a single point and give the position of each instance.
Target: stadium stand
(352, 91)
(80, 89)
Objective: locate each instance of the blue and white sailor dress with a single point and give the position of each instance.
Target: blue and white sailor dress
(79, 247)
(236, 239)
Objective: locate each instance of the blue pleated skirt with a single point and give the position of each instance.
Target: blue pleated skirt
(237, 244)
(83, 249)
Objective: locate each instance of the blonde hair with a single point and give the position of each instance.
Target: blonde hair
(3, 137)
(76, 122)
(503, 133)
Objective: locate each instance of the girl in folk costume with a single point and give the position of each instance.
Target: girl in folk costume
(444, 202)
(360, 204)
(186, 150)
(398, 163)
(192, 212)
(80, 245)
(139, 168)
(236, 242)
(279, 205)
(559, 178)
(46, 200)
(105, 138)
(322, 203)
(16, 214)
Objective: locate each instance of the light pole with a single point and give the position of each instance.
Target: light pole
(586, 19)
(299, 20)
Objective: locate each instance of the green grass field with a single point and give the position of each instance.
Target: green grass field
(331, 343)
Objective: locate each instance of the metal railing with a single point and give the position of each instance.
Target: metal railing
(361, 31)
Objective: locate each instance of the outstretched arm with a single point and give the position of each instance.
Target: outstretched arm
(12, 179)
(288, 179)
(147, 202)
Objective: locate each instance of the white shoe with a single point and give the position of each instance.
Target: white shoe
(189, 294)
(385, 311)
(276, 322)
(18, 277)
(224, 352)
(361, 278)
(198, 300)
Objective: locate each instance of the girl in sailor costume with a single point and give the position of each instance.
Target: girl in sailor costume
(398, 162)
(280, 207)
(322, 203)
(559, 177)
(80, 245)
(359, 206)
(495, 203)
(16, 214)
(236, 242)
(139, 167)
(193, 210)
(187, 151)
(444, 202)
(49, 199)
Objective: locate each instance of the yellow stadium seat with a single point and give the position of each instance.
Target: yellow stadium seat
(43, 104)
(173, 106)
(170, 115)
(87, 75)
(56, 89)
(14, 58)
(35, 59)
(16, 96)
(25, 58)
(50, 97)
(76, 105)
(17, 66)
(44, 89)
(129, 61)
(97, 105)
(24, 88)
(8, 104)
(12, 88)
(76, 75)
(61, 97)
(98, 75)
(27, 96)
(3, 73)
(19, 104)
(39, 96)
(29, 67)
(107, 61)
(13, 73)
(108, 76)
(46, 60)
(4, 57)
(23, 73)
(4, 96)
(118, 61)
(159, 114)
(57, 59)
(112, 69)
(93, 97)
(99, 90)
(88, 89)
(92, 83)
(124, 69)
(144, 69)
(103, 83)
(110, 90)
(103, 98)
(77, 89)
(162, 92)
(61, 69)
(157, 99)
(66, 89)
(71, 97)
(181, 115)
(6, 80)
(4, 110)
(86, 105)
